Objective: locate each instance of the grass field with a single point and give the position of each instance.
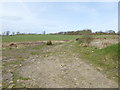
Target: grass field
(22, 38)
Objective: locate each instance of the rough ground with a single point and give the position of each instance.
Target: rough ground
(60, 68)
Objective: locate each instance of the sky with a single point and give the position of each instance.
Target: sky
(36, 17)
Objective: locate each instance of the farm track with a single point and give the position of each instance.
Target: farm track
(61, 68)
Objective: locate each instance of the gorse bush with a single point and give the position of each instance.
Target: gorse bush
(49, 42)
(85, 39)
(80, 40)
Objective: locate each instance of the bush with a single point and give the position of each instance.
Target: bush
(49, 42)
(85, 39)
(80, 40)
(88, 39)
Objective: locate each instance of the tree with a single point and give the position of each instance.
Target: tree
(13, 33)
(18, 33)
(7, 33)
(111, 32)
(43, 32)
(100, 33)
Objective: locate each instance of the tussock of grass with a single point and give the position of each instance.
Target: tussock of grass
(23, 78)
(34, 53)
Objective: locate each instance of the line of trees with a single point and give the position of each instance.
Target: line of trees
(78, 32)
(88, 31)
(8, 33)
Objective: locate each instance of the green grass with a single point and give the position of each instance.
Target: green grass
(23, 78)
(22, 38)
(34, 53)
(106, 58)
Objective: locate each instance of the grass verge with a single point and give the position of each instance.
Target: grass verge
(105, 60)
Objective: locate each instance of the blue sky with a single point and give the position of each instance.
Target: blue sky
(36, 17)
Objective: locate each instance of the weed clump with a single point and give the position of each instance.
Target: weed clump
(49, 42)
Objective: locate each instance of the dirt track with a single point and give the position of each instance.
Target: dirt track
(60, 68)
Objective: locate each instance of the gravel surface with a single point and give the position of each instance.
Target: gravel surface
(60, 68)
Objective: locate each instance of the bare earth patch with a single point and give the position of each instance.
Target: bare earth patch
(101, 43)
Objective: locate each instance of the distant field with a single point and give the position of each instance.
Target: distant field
(21, 38)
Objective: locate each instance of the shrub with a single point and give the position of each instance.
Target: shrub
(80, 40)
(85, 39)
(49, 42)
